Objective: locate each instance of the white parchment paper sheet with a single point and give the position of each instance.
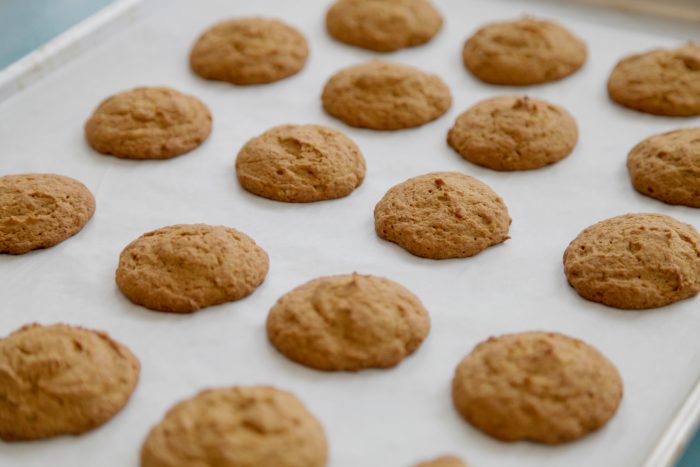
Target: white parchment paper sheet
(373, 418)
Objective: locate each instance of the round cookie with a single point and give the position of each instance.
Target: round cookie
(249, 51)
(667, 167)
(300, 163)
(41, 210)
(384, 95)
(659, 82)
(522, 52)
(59, 380)
(240, 426)
(148, 123)
(536, 386)
(514, 133)
(381, 25)
(348, 323)
(443, 461)
(635, 261)
(442, 215)
(185, 267)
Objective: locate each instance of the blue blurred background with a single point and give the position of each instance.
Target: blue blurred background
(27, 24)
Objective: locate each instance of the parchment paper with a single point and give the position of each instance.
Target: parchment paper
(373, 418)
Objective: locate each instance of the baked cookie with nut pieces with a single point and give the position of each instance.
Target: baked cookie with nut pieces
(61, 380)
(41, 210)
(185, 267)
(536, 386)
(442, 215)
(247, 51)
(348, 323)
(239, 426)
(148, 123)
(443, 461)
(523, 52)
(659, 82)
(300, 163)
(635, 261)
(667, 167)
(514, 133)
(383, 25)
(384, 95)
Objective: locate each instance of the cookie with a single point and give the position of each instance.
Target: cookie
(514, 133)
(536, 386)
(444, 461)
(148, 123)
(348, 323)
(522, 52)
(635, 261)
(60, 380)
(41, 210)
(300, 163)
(384, 95)
(240, 426)
(249, 51)
(667, 167)
(182, 268)
(381, 25)
(659, 82)
(442, 215)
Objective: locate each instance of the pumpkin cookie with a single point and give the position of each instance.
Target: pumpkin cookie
(148, 123)
(249, 51)
(59, 380)
(240, 426)
(385, 95)
(300, 163)
(41, 210)
(667, 167)
(536, 386)
(182, 268)
(635, 261)
(383, 26)
(444, 461)
(514, 133)
(522, 52)
(442, 215)
(348, 322)
(660, 81)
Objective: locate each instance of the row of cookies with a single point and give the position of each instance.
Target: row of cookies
(633, 261)
(92, 378)
(521, 52)
(302, 163)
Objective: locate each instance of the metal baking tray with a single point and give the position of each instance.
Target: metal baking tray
(373, 418)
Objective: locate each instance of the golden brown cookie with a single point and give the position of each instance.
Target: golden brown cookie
(148, 123)
(635, 261)
(383, 25)
(234, 427)
(522, 52)
(536, 386)
(514, 133)
(442, 215)
(385, 95)
(59, 380)
(185, 267)
(348, 323)
(300, 163)
(660, 81)
(443, 461)
(667, 167)
(249, 51)
(41, 210)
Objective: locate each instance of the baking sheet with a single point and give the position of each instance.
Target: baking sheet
(373, 418)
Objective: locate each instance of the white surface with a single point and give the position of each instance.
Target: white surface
(373, 418)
